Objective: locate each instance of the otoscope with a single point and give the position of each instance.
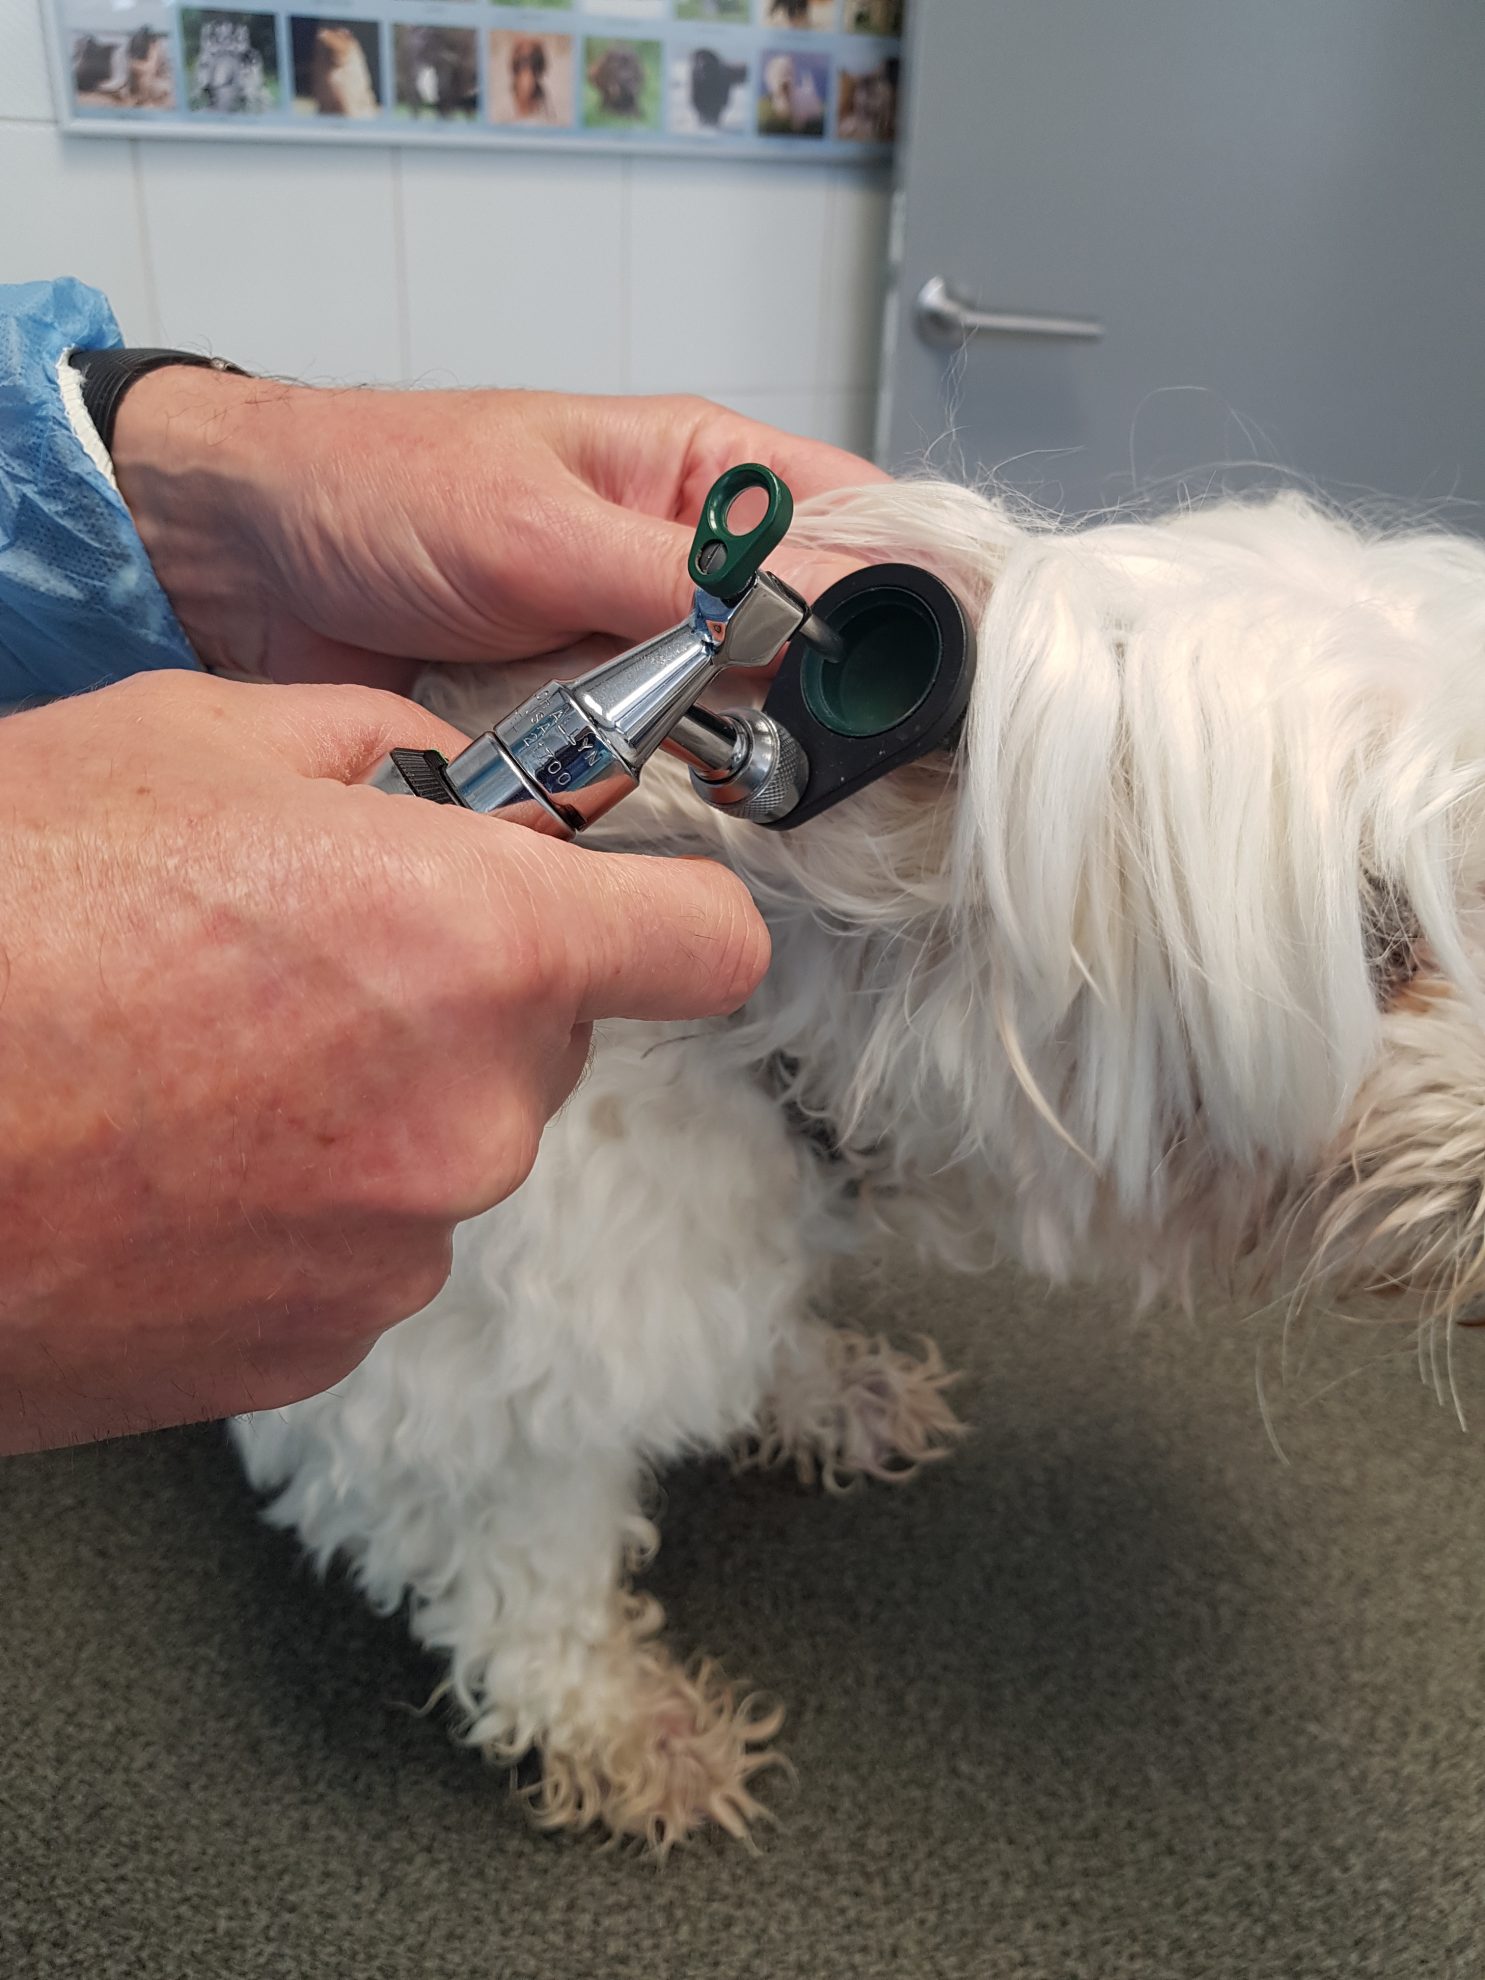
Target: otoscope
(875, 674)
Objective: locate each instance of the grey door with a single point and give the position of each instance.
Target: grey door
(1274, 208)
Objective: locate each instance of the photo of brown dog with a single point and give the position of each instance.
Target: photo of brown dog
(531, 78)
(123, 71)
(337, 67)
(820, 16)
(874, 16)
(623, 84)
(866, 101)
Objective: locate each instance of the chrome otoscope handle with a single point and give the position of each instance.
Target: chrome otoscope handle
(877, 674)
(570, 753)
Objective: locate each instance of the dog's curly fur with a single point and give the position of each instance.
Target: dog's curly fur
(1174, 967)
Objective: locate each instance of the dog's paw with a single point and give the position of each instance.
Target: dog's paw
(678, 1754)
(860, 1408)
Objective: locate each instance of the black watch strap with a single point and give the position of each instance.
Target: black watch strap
(107, 375)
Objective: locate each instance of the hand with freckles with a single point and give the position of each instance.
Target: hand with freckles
(266, 1035)
(305, 534)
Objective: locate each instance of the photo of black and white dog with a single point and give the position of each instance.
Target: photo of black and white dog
(437, 72)
(231, 61)
(708, 92)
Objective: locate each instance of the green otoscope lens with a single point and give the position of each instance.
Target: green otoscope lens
(893, 653)
(899, 690)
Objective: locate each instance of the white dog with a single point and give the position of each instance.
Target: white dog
(1173, 967)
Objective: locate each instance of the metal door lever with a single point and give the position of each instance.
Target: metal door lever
(945, 320)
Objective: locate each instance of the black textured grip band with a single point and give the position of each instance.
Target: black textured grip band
(424, 773)
(107, 375)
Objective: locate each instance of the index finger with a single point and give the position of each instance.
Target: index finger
(810, 467)
(637, 578)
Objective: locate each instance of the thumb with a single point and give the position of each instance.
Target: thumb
(643, 937)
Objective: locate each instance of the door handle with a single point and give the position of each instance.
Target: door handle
(946, 320)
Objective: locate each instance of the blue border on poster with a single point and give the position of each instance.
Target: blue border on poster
(135, 66)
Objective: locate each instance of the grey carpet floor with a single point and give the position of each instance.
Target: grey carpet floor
(1117, 1691)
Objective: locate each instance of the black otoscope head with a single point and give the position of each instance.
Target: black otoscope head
(899, 689)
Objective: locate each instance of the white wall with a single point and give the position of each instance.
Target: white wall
(471, 268)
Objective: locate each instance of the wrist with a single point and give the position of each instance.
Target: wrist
(195, 453)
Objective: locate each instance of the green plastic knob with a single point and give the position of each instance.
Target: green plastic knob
(725, 561)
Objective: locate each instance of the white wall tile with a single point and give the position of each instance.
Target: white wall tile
(280, 256)
(844, 419)
(25, 85)
(791, 412)
(515, 269)
(726, 286)
(555, 271)
(847, 419)
(78, 216)
(855, 276)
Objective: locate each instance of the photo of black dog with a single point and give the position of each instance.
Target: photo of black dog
(619, 80)
(708, 92)
(437, 72)
(713, 83)
(624, 84)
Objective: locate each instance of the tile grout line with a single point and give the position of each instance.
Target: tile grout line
(146, 250)
(626, 271)
(829, 269)
(56, 80)
(401, 299)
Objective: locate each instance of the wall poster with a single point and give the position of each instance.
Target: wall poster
(759, 78)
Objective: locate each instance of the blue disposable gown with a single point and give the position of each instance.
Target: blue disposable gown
(80, 604)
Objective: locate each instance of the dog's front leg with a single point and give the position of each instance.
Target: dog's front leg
(553, 1656)
(844, 1405)
(484, 1463)
(517, 1576)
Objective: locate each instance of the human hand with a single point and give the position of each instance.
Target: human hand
(267, 1038)
(342, 535)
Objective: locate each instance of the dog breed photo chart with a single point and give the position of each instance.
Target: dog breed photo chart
(768, 79)
(1168, 972)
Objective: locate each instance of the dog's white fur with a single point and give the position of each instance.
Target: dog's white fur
(1174, 967)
